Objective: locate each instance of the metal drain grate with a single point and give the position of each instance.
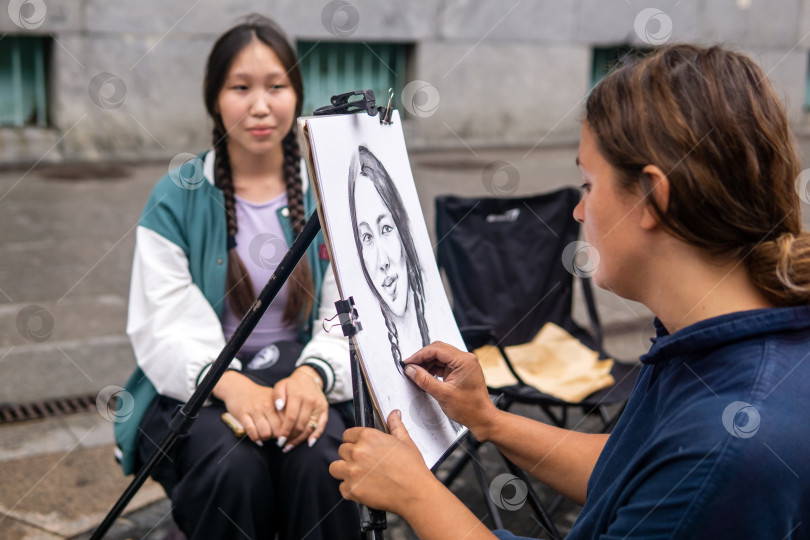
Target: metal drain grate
(46, 408)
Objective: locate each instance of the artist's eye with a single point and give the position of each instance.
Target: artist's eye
(586, 187)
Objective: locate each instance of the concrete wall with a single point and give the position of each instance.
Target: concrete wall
(126, 75)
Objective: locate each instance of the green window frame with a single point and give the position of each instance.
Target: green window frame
(330, 68)
(23, 80)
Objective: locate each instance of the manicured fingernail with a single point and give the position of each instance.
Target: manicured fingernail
(281, 441)
(398, 413)
(259, 443)
(288, 448)
(410, 371)
(279, 404)
(312, 442)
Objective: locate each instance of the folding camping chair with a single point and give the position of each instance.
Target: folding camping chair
(503, 259)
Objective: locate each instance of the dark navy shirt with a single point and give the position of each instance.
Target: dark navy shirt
(715, 440)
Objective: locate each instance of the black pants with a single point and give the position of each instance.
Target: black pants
(230, 488)
(225, 487)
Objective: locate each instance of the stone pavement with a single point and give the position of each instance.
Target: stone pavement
(66, 247)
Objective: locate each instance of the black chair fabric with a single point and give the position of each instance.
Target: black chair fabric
(503, 261)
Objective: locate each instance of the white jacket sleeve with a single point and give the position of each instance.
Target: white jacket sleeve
(330, 351)
(174, 331)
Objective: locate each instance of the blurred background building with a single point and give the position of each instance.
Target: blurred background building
(99, 80)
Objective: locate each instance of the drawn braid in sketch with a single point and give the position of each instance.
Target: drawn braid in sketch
(387, 253)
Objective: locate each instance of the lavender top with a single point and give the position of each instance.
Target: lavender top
(261, 245)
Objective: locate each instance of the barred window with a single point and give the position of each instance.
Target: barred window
(23, 80)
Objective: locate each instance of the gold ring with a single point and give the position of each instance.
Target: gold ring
(312, 424)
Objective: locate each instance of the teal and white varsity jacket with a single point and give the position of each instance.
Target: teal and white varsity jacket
(177, 294)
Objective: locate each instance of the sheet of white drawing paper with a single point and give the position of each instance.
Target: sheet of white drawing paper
(335, 141)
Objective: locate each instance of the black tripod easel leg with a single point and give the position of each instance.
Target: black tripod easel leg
(372, 522)
(185, 415)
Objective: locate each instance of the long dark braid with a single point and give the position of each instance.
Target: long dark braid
(419, 304)
(393, 339)
(238, 285)
(301, 289)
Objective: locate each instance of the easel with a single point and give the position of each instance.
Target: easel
(372, 522)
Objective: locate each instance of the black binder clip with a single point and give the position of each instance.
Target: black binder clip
(342, 105)
(347, 315)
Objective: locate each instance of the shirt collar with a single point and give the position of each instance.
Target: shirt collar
(718, 331)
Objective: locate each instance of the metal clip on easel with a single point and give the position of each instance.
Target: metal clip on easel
(372, 522)
(342, 105)
(367, 103)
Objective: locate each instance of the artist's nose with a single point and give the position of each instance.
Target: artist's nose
(579, 211)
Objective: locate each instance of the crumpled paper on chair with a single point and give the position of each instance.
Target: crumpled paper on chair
(554, 362)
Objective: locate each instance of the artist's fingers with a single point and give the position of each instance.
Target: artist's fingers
(338, 469)
(438, 354)
(425, 380)
(352, 435)
(397, 428)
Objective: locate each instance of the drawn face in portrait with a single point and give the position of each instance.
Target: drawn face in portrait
(387, 253)
(383, 253)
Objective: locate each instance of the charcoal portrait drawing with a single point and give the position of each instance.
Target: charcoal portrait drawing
(388, 257)
(383, 259)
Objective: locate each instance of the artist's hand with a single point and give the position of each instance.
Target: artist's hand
(463, 394)
(251, 404)
(386, 472)
(302, 406)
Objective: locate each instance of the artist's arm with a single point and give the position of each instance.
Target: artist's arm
(387, 472)
(560, 458)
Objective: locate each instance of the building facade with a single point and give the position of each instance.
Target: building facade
(100, 80)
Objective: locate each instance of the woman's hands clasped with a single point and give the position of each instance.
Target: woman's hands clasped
(302, 406)
(294, 411)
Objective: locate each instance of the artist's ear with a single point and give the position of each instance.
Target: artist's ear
(658, 190)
